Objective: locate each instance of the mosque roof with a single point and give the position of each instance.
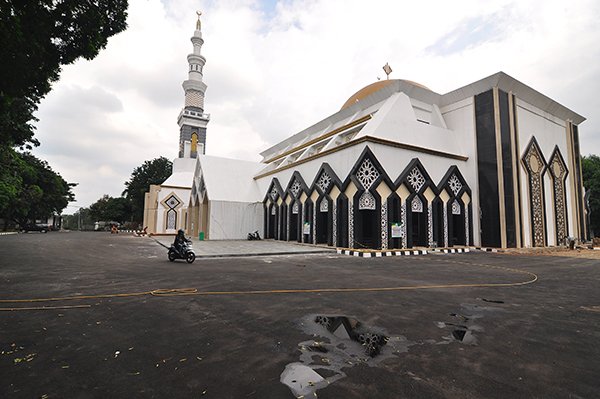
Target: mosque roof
(374, 87)
(236, 173)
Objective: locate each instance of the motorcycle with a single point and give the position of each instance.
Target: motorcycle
(254, 236)
(187, 252)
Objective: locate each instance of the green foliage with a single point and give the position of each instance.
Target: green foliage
(109, 209)
(591, 181)
(79, 220)
(37, 37)
(29, 188)
(155, 171)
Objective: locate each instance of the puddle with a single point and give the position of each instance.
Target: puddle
(463, 325)
(339, 342)
(491, 300)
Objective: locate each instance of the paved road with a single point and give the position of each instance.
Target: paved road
(536, 340)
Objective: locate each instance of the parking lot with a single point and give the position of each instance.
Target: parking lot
(475, 325)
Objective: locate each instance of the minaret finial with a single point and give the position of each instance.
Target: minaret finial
(387, 69)
(198, 23)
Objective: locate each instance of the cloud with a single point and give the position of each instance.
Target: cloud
(276, 67)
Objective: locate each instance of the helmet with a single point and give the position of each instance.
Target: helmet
(180, 232)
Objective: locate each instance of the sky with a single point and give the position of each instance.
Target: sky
(276, 67)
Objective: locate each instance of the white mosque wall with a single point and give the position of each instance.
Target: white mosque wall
(460, 119)
(234, 220)
(397, 121)
(549, 132)
(393, 160)
(183, 195)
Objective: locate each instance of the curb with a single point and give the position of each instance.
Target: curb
(379, 254)
(484, 249)
(7, 233)
(452, 250)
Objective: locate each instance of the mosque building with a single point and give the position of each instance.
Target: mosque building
(494, 163)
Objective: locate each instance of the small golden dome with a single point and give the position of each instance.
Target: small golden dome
(374, 87)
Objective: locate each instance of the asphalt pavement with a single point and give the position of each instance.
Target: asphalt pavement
(470, 325)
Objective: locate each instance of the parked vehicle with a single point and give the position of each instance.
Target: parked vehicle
(186, 252)
(42, 228)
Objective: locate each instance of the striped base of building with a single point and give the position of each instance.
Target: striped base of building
(484, 249)
(379, 254)
(451, 250)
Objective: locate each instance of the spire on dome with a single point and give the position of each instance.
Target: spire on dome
(198, 23)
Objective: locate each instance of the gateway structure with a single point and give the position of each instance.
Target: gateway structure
(494, 163)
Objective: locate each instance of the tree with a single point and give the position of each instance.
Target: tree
(30, 189)
(81, 219)
(111, 209)
(37, 37)
(591, 181)
(155, 171)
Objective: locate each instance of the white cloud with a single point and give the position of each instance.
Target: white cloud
(274, 70)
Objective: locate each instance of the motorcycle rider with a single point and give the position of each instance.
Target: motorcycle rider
(180, 241)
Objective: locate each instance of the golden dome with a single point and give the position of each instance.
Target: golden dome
(373, 87)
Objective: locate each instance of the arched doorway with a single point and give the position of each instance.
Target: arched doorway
(283, 209)
(367, 226)
(324, 222)
(342, 221)
(271, 221)
(394, 220)
(418, 223)
(307, 231)
(295, 209)
(457, 224)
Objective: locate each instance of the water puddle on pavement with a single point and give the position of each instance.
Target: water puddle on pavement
(463, 325)
(340, 342)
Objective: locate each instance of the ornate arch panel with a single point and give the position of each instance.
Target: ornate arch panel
(172, 203)
(558, 172)
(417, 180)
(535, 166)
(455, 186)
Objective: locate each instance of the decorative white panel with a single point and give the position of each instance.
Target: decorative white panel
(367, 174)
(384, 225)
(367, 201)
(295, 208)
(403, 227)
(273, 193)
(171, 219)
(350, 224)
(324, 181)
(334, 227)
(324, 205)
(466, 227)
(172, 202)
(415, 179)
(455, 207)
(295, 188)
(446, 225)
(455, 184)
(430, 225)
(416, 205)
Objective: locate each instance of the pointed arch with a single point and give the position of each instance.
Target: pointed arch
(292, 212)
(558, 172)
(420, 227)
(366, 209)
(535, 166)
(456, 212)
(271, 207)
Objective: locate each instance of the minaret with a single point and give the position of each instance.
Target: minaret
(192, 120)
